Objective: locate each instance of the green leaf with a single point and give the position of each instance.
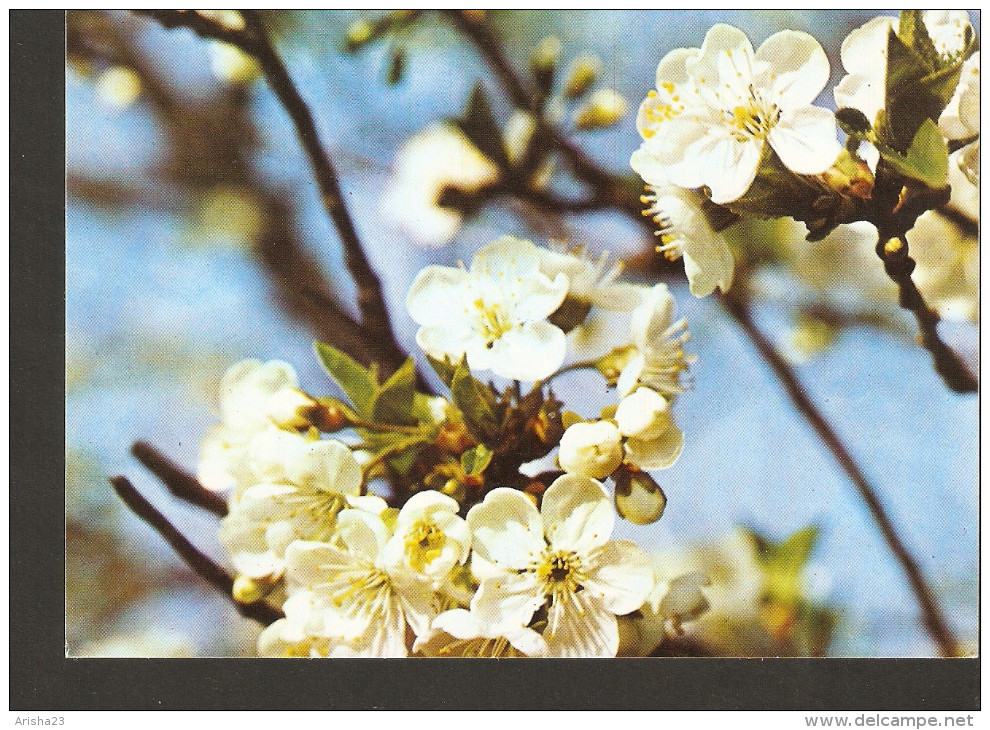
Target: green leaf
(394, 401)
(911, 29)
(358, 382)
(475, 400)
(478, 123)
(915, 91)
(444, 368)
(793, 553)
(927, 158)
(476, 460)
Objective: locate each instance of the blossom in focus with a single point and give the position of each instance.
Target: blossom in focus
(590, 282)
(436, 160)
(430, 539)
(307, 485)
(715, 109)
(685, 232)
(652, 440)
(345, 592)
(659, 358)
(591, 449)
(495, 312)
(961, 120)
(559, 558)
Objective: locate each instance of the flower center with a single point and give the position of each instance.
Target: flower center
(754, 119)
(560, 572)
(493, 321)
(424, 544)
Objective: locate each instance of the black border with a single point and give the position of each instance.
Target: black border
(41, 678)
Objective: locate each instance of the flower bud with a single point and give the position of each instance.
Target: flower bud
(581, 74)
(251, 590)
(602, 109)
(290, 408)
(644, 414)
(638, 498)
(591, 449)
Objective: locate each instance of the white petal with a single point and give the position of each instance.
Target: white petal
(708, 262)
(364, 534)
(728, 166)
(805, 140)
(505, 259)
(305, 562)
(673, 69)
(507, 604)
(658, 453)
(507, 529)
(623, 577)
(445, 340)
(581, 627)
(797, 67)
(865, 93)
(326, 465)
(529, 352)
(433, 294)
(578, 514)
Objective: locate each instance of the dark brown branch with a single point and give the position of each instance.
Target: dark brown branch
(932, 615)
(370, 299)
(216, 576)
(899, 265)
(179, 482)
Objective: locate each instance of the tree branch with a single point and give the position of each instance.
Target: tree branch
(216, 576)
(899, 265)
(933, 619)
(179, 482)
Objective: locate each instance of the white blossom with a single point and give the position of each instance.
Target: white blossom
(659, 358)
(345, 591)
(559, 558)
(685, 232)
(460, 633)
(495, 312)
(430, 539)
(591, 449)
(253, 396)
(306, 485)
(652, 441)
(715, 108)
(437, 159)
(591, 282)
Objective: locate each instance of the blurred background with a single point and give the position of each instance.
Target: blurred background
(196, 237)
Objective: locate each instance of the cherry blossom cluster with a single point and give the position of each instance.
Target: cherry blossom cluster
(491, 563)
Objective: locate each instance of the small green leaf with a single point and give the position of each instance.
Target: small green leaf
(927, 159)
(479, 124)
(475, 400)
(476, 460)
(444, 368)
(852, 121)
(358, 382)
(911, 29)
(394, 401)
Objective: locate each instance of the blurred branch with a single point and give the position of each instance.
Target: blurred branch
(179, 482)
(899, 265)
(935, 622)
(380, 342)
(609, 187)
(965, 225)
(216, 576)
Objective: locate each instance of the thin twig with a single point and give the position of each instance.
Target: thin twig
(899, 265)
(488, 45)
(932, 615)
(254, 40)
(216, 576)
(179, 482)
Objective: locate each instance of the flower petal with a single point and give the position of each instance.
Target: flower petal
(507, 604)
(658, 453)
(578, 514)
(507, 529)
(433, 293)
(796, 67)
(581, 627)
(728, 166)
(805, 140)
(623, 577)
(530, 352)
